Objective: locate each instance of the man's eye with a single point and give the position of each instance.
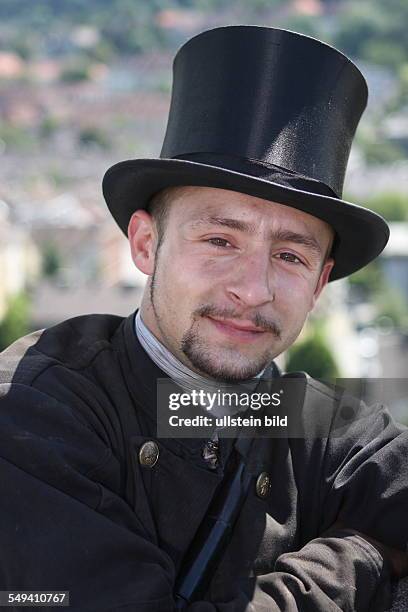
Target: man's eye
(290, 257)
(219, 242)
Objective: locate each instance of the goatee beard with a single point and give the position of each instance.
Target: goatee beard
(199, 356)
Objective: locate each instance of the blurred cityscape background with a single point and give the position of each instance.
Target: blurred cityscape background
(86, 84)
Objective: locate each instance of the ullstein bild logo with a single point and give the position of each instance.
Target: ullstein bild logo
(228, 421)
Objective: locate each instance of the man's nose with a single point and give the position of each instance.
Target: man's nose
(251, 284)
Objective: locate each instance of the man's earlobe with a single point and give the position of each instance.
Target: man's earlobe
(142, 240)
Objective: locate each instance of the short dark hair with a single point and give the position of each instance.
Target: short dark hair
(158, 208)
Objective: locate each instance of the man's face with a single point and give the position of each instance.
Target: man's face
(233, 280)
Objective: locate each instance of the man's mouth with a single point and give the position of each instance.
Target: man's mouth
(238, 329)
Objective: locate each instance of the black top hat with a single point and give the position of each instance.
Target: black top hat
(266, 112)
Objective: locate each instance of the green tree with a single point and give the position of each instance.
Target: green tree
(393, 306)
(48, 126)
(92, 136)
(15, 137)
(356, 26)
(305, 24)
(75, 72)
(51, 260)
(367, 282)
(393, 206)
(313, 355)
(22, 46)
(374, 30)
(15, 322)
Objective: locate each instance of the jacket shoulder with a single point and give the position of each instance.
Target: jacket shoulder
(73, 343)
(326, 408)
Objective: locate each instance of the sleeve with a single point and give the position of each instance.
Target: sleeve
(340, 572)
(62, 527)
(365, 480)
(364, 486)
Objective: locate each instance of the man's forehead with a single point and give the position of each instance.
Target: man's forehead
(199, 205)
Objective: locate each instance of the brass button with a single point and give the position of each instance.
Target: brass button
(263, 485)
(149, 454)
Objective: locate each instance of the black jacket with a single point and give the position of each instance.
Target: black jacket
(79, 512)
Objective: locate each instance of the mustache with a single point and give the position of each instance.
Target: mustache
(256, 319)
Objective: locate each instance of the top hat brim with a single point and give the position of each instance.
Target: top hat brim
(361, 234)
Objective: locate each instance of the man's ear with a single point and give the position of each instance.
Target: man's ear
(143, 240)
(323, 280)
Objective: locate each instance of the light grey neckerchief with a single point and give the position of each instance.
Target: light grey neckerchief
(178, 372)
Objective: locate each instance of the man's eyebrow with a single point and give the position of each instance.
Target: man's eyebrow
(305, 239)
(250, 228)
(243, 226)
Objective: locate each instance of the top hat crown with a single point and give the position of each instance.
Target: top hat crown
(266, 95)
(266, 112)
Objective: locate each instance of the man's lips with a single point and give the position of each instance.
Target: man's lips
(243, 330)
(242, 325)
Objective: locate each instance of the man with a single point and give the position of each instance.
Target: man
(239, 226)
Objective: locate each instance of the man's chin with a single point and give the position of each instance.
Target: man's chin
(224, 360)
(230, 370)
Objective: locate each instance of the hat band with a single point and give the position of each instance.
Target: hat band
(261, 169)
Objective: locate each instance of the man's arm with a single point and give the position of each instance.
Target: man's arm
(62, 526)
(350, 567)
(340, 572)
(396, 559)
